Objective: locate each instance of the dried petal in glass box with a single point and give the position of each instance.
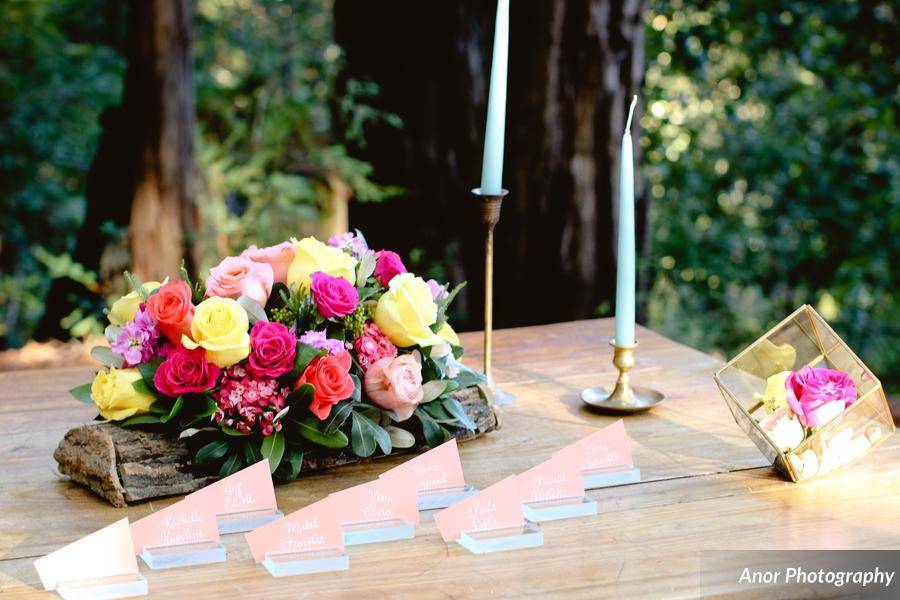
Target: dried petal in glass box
(806, 434)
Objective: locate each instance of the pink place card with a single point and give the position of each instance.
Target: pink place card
(385, 498)
(190, 521)
(556, 478)
(248, 489)
(602, 449)
(105, 553)
(492, 508)
(436, 469)
(314, 527)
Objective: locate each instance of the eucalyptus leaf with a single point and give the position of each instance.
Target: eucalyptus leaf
(453, 406)
(400, 438)
(433, 389)
(255, 312)
(107, 356)
(112, 332)
(82, 393)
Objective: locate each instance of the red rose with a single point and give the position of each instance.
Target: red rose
(185, 371)
(387, 265)
(171, 308)
(273, 348)
(330, 377)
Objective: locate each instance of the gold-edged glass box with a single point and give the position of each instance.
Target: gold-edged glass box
(805, 339)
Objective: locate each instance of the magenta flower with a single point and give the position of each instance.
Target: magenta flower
(185, 371)
(387, 266)
(818, 395)
(249, 403)
(273, 348)
(372, 345)
(320, 341)
(334, 296)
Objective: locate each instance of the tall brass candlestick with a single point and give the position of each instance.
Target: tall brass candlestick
(490, 216)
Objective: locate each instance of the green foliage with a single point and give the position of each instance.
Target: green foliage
(771, 147)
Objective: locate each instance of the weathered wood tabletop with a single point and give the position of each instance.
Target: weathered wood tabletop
(705, 489)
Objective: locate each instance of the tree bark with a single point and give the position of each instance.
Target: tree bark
(160, 74)
(574, 64)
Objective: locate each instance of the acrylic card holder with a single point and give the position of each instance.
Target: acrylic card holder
(383, 530)
(444, 497)
(501, 539)
(559, 508)
(609, 476)
(103, 588)
(183, 555)
(383, 510)
(248, 520)
(99, 565)
(306, 562)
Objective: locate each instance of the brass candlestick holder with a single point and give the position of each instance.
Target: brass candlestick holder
(490, 215)
(624, 398)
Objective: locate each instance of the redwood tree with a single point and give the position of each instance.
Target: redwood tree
(574, 64)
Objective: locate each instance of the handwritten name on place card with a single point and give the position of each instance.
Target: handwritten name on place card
(552, 479)
(185, 522)
(248, 489)
(314, 527)
(385, 498)
(498, 506)
(438, 468)
(607, 447)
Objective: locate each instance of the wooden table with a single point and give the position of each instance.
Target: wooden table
(705, 489)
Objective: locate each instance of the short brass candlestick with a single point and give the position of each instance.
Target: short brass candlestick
(490, 216)
(624, 398)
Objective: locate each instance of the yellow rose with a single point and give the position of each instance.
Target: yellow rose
(447, 334)
(115, 396)
(311, 255)
(123, 309)
(220, 327)
(406, 312)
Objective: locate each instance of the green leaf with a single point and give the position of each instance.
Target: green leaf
(272, 447)
(176, 408)
(357, 389)
(301, 397)
(233, 432)
(107, 356)
(430, 429)
(338, 416)
(136, 285)
(433, 389)
(468, 377)
(437, 411)
(252, 455)
(305, 354)
(144, 419)
(231, 465)
(453, 406)
(309, 428)
(443, 304)
(211, 452)
(82, 393)
(141, 387)
(366, 267)
(209, 409)
(148, 370)
(293, 460)
(255, 312)
(365, 434)
(400, 438)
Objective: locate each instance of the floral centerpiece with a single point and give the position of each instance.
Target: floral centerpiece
(806, 401)
(286, 348)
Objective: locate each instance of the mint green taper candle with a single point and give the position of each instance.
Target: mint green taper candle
(625, 265)
(492, 166)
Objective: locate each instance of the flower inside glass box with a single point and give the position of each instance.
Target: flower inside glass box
(805, 399)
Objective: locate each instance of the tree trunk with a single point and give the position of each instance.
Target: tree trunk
(143, 171)
(573, 66)
(160, 74)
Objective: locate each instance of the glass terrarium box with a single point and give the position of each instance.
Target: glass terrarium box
(805, 399)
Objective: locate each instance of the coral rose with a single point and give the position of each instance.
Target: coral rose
(395, 384)
(330, 378)
(185, 371)
(172, 309)
(238, 276)
(279, 257)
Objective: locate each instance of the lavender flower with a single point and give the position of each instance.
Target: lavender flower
(140, 340)
(438, 291)
(349, 242)
(320, 341)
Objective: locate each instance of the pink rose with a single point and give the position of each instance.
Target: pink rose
(372, 345)
(279, 257)
(818, 395)
(395, 384)
(273, 348)
(335, 296)
(387, 264)
(239, 276)
(185, 371)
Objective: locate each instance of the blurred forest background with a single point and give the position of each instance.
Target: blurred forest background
(137, 134)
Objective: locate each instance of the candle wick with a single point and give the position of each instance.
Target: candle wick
(630, 113)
